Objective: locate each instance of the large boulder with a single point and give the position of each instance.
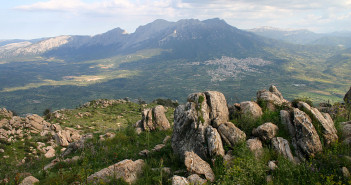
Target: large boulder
(286, 121)
(196, 165)
(266, 131)
(306, 137)
(324, 119)
(62, 137)
(153, 119)
(214, 142)
(272, 96)
(127, 170)
(231, 134)
(218, 107)
(251, 109)
(161, 121)
(37, 123)
(192, 120)
(281, 145)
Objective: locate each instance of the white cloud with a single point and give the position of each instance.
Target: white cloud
(54, 5)
(240, 13)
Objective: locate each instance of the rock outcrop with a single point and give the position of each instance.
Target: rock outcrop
(196, 165)
(306, 138)
(72, 147)
(286, 121)
(6, 113)
(231, 134)
(37, 123)
(266, 131)
(191, 122)
(281, 145)
(251, 109)
(153, 119)
(214, 142)
(273, 96)
(324, 119)
(127, 170)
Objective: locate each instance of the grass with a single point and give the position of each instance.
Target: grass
(245, 168)
(114, 117)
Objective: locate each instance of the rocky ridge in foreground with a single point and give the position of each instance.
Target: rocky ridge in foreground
(207, 135)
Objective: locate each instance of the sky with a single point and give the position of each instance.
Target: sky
(29, 19)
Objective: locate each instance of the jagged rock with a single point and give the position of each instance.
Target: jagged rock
(306, 137)
(328, 128)
(61, 138)
(37, 123)
(345, 172)
(255, 145)
(55, 127)
(218, 107)
(195, 164)
(231, 134)
(160, 118)
(178, 180)
(347, 97)
(214, 142)
(272, 166)
(251, 109)
(192, 119)
(6, 113)
(189, 129)
(287, 122)
(266, 131)
(72, 147)
(127, 169)
(272, 96)
(153, 119)
(196, 179)
(30, 180)
(281, 145)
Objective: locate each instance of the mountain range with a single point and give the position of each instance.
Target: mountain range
(169, 60)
